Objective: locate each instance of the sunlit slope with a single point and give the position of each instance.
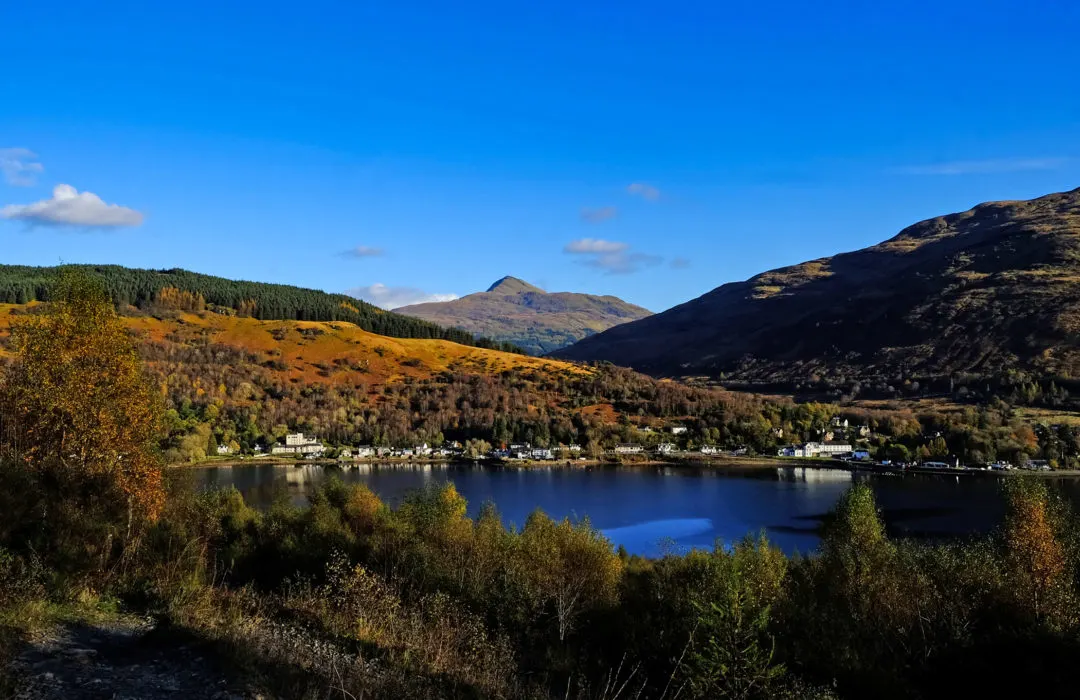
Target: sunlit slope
(315, 352)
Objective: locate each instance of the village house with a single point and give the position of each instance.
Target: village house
(574, 448)
(542, 453)
(223, 450)
(345, 453)
(677, 429)
(708, 450)
(365, 451)
(628, 448)
(299, 444)
(665, 448)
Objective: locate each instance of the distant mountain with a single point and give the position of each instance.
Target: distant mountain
(180, 290)
(982, 292)
(514, 311)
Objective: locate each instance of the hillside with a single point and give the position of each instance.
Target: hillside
(249, 379)
(246, 382)
(978, 293)
(177, 289)
(517, 312)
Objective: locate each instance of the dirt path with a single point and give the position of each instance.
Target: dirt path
(127, 660)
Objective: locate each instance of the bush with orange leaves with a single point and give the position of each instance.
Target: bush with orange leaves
(79, 425)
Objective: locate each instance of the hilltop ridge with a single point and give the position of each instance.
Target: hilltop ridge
(515, 311)
(182, 290)
(513, 285)
(981, 293)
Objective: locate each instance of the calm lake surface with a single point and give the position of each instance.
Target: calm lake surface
(650, 510)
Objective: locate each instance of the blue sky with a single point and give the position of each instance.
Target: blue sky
(649, 150)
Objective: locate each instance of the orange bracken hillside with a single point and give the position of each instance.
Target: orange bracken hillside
(322, 352)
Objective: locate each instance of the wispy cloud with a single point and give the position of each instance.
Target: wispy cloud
(680, 263)
(362, 251)
(386, 297)
(69, 207)
(590, 246)
(983, 167)
(610, 257)
(646, 192)
(19, 166)
(596, 215)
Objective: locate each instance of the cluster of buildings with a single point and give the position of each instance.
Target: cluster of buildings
(835, 442)
(523, 450)
(300, 445)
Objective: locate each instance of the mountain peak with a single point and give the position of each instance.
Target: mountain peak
(513, 285)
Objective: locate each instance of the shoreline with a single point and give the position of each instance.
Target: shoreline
(714, 462)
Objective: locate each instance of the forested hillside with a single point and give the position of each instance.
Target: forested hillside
(177, 289)
(238, 380)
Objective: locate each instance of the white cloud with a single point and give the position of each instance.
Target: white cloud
(69, 207)
(611, 257)
(19, 166)
(392, 297)
(680, 263)
(595, 216)
(590, 246)
(983, 167)
(646, 192)
(363, 251)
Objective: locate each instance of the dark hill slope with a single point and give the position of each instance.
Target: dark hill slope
(517, 312)
(980, 292)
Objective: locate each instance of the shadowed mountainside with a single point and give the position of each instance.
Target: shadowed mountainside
(514, 311)
(980, 292)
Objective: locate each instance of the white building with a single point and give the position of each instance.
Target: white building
(815, 449)
(678, 429)
(299, 444)
(628, 448)
(665, 448)
(223, 450)
(365, 451)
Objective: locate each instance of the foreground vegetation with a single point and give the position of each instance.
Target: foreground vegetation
(349, 597)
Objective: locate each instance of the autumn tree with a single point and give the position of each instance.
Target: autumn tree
(1035, 556)
(572, 567)
(80, 421)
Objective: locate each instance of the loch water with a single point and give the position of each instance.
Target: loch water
(656, 509)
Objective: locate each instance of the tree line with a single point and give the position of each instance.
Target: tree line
(183, 290)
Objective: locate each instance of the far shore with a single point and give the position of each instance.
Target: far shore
(696, 461)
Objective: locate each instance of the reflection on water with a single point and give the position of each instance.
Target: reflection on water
(832, 476)
(650, 510)
(655, 537)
